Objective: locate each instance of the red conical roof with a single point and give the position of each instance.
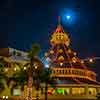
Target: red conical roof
(59, 29)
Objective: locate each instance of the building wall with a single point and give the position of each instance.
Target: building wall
(72, 92)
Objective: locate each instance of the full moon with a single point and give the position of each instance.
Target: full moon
(68, 17)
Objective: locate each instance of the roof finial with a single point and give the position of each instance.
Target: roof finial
(59, 20)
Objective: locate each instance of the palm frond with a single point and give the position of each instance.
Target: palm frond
(35, 49)
(20, 77)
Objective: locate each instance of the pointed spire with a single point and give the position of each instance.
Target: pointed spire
(59, 27)
(59, 20)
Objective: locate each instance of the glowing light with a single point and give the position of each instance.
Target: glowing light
(68, 17)
(24, 68)
(75, 53)
(91, 60)
(60, 91)
(6, 69)
(61, 64)
(6, 97)
(36, 67)
(3, 97)
(46, 54)
(48, 59)
(47, 66)
(69, 50)
(74, 60)
(82, 61)
(51, 51)
(15, 69)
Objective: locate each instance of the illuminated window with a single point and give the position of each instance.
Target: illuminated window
(66, 72)
(62, 37)
(51, 91)
(53, 71)
(57, 37)
(62, 91)
(69, 71)
(67, 91)
(78, 91)
(62, 72)
(77, 72)
(92, 91)
(17, 92)
(57, 71)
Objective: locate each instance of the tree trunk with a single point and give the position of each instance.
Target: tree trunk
(30, 82)
(46, 91)
(22, 91)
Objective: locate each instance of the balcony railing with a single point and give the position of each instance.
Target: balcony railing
(73, 72)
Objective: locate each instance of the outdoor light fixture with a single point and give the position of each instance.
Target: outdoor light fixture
(24, 68)
(5, 97)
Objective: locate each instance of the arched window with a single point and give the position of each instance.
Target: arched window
(92, 91)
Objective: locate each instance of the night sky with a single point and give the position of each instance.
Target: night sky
(23, 22)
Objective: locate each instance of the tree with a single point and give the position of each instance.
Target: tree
(29, 75)
(20, 78)
(45, 77)
(4, 78)
(33, 67)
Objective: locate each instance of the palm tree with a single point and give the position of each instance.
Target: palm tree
(47, 79)
(20, 78)
(2, 75)
(33, 67)
(4, 79)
